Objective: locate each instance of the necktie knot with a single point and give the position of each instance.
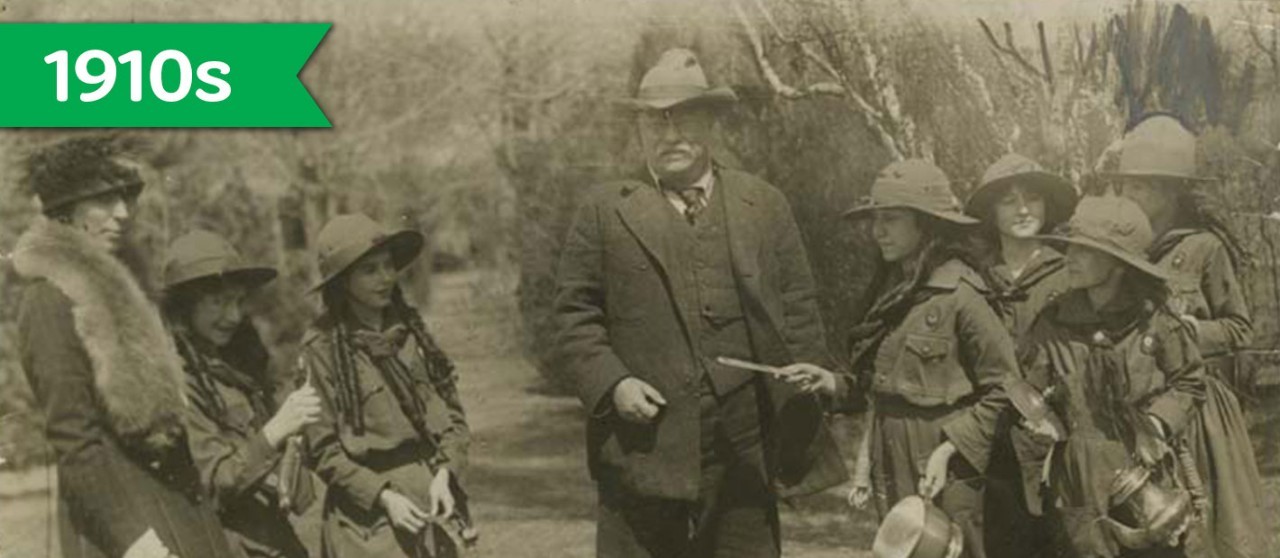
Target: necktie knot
(694, 202)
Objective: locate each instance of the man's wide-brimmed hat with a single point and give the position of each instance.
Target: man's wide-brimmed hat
(1114, 225)
(913, 184)
(1059, 195)
(346, 238)
(677, 79)
(79, 169)
(1158, 147)
(915, 528)
(200, 254)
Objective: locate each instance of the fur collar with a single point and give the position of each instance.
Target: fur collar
(136, 368)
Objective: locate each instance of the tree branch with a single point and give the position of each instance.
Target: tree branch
(1009, 50)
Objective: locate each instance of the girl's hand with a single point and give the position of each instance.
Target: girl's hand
(301, 408)
(810, 378)
(402, 512)
(935, 473)
(442, 502)
(1043, 429)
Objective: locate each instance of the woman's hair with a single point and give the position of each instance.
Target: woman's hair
(346, 380)
(940, 242)
(244, 352)
(1198, 209)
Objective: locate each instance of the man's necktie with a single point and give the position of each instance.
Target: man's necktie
(694, 203)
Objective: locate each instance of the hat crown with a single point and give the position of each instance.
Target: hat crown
(1114, 221)
(345, 233)
(1009, 166)
(201, 253)
(914, 183)
(1159, 146)
(676, 69)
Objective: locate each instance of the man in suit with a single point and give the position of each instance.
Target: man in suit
(660, 275)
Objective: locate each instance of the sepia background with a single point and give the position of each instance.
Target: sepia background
(482, 122)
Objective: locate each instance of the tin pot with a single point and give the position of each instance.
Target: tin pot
(915, 528)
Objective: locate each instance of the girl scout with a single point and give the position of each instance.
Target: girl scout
(931, 352)
(393, 440)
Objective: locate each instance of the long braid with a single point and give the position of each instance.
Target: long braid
(440, 370)
(210, 400)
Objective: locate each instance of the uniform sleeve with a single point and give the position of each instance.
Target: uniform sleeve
(231, 464)
(333, 465)
(583, 339)
(455, 441)
(987, 354)
(1229, 327)
(61, 376)
(1179, 360)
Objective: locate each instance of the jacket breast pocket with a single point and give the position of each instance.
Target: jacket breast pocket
(924, 369)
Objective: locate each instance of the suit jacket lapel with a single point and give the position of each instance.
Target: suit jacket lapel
(743, 226)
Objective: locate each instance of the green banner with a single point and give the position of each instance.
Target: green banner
(157, 75)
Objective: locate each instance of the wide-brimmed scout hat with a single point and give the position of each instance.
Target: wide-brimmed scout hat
(1159, 146)
(79, 169)
(346, 238)
(1059, 195)
(913, 184)
(677, 79)
(1114, 225)
(915, 528)
(200, 254)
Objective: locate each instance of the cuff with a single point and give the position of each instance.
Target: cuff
(1169, 411)
(365, 487)
(969, 439)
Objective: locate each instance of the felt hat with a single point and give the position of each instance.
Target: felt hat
(1159, 146)
(1059, 195)
(677, 79)
(913, 184)
(346, 238)
(1114, 225)
(200, 254)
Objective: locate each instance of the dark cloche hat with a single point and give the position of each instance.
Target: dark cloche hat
(346, 238)
(78, 169)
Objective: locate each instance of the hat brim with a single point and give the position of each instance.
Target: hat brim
(405, 247)
(1057, 191)
(250, 277)
(863, 211)
(713, 96)
(129, 191)
(1156, 175)
(1137, 263)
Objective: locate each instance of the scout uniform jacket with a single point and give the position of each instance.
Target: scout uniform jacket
(951, 350)
(389, 453)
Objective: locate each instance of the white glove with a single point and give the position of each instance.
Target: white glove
(148, 546)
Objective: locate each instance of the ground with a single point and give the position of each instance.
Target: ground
(530, 492)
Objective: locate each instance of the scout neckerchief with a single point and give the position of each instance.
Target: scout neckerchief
(1005, 291)
(205, 369)
(1107, 381)
(383, 350)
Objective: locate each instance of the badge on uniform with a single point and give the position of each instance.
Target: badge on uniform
(931, 319)
(1148, 345)
(1177, 261)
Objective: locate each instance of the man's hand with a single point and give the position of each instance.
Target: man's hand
(935, 473)
(402, 512)
(637, 401)
(148, 545)
(442, 502)
(811, 378)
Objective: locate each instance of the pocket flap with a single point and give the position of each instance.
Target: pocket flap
(928, 348)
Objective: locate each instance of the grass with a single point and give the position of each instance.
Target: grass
(530, 492)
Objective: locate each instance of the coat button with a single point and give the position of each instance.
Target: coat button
(924, 351)
(155, 465)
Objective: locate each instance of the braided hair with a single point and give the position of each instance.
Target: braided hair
(346, 380)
